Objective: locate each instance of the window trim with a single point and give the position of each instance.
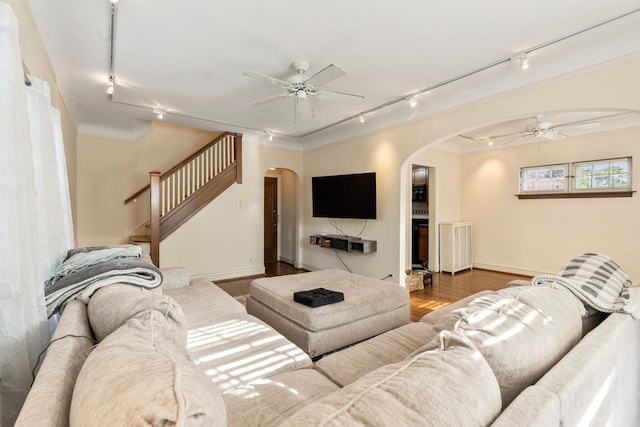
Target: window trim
(578, 195)
(628, 187)
(570, 191)
(566, 167)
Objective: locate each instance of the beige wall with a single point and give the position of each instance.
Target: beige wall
(391, 153)
(37, 62)
(224, 240)
(541, 235)
(110, 170)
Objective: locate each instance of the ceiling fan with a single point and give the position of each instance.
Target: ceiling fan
(545, 130)
(303, 89)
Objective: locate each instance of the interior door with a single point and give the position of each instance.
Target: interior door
(270, 219)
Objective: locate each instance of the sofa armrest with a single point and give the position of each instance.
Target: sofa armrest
(49, 400)
(174, 278)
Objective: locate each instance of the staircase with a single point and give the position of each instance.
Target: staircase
(178, 194)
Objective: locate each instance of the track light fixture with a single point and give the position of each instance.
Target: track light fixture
(522, 58)
(269, 134)
(110, 86)
(413, 101)
(159, 112)
(361, 118)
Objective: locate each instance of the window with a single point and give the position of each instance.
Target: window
(548, 178)
(598, 175)
(593, 178)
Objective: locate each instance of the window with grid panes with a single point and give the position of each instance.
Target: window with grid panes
(603, 175)
(544, 179)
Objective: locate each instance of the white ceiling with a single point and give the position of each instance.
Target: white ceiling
(188, 58)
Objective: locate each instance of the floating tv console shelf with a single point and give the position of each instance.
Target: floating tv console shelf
(344, 243)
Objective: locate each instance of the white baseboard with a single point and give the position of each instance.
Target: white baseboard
(230, 274)
(506, 269)
(102, 242)
(308, 267)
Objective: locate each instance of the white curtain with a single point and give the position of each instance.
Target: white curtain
(35, 217)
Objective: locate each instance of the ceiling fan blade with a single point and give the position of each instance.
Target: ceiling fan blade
(494, 137)
(581, 125)
(554, 136)
(303, 110)
(267, 100)
(518, 138)
(326, 75)
(267, 79)
(341, 96)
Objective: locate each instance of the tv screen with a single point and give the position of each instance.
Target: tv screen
(344, 196)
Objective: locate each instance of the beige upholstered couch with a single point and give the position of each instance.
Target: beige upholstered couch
(191, 355)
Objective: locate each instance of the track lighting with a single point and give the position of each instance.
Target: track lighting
(159, 112)
(110, 86)
(413, 101)
(522, 58)
(269, 135)
(361, 118)
(490, 143)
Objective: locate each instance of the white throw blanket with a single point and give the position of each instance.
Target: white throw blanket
(598, 282)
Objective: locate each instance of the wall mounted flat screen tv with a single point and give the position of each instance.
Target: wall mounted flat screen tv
(344, 196)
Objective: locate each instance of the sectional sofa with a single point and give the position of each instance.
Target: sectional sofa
(188, 354)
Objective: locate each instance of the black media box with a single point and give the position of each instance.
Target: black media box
(317, 297)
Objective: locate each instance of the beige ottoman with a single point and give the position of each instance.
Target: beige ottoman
(370, 307)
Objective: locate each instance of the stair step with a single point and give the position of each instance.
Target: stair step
(141, 238)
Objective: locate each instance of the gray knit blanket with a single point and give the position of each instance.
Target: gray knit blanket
(598, 282)
(84, 271)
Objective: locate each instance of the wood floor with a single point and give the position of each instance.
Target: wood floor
(446, 288)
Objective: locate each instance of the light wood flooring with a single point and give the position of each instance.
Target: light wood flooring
(446, 288)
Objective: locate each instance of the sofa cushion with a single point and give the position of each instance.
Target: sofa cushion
(521, 331)
(346, 366)
(431, 388)
(137, 376)
(240, 348)
(203, 300)
(269, 401)
(174, 278)
(434, 316)
(110, 307)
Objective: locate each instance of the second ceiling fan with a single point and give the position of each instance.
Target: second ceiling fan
(544, 130)
(303, 90)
